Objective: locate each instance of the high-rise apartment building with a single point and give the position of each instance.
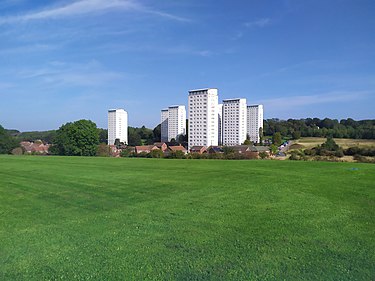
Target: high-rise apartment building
(164, 125)
(220, 123)
(203, 117)
(234, 121)
(117, 126)
(173, 122)
(254, 121)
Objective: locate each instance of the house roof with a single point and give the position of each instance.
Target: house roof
(146, 147)
(177, 147)
(159, 144)
(197, 147)
(215, 148)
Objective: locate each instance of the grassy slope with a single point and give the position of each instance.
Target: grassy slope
(147, 219)
(344, 143)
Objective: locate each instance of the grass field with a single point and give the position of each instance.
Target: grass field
(344, 143)
(66, 218)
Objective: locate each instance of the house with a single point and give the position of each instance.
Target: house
(114, 151)
(145, 148)
(174, 148)
(198, 149)
(161, 145)
(215, 149)
(37, 147)
(250, 151)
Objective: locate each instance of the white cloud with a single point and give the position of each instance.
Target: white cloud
(58, 74)
(86, 7)
(259, 23)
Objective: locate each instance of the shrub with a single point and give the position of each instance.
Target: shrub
(18, 151)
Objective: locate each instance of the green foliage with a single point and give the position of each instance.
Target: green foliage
(45, 136)
(228, 150)
(298, 155)
(261, 136)
(7, 142)
(277, 139)
(315, 127)
(156, 133)
(127, 152)
(156, 153)
(263, 155)
(18, 151)
(134, 137)
(274, 149)
(103, 150)
(359, 151)
(176, 155)
(103, 135)
(247, 142)
(329, 148)
(296, 135)
(76, 218)
(79, 138)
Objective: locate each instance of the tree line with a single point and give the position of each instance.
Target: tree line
(291, 128)
(315, 127)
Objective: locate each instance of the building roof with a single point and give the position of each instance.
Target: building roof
(215, 148)
(177, 147)
(145, 147)
(234, 99)
(203, 89)
(197, 147)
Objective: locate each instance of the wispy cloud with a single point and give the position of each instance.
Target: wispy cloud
(258, 23)
(5, 86)
(290, 102)
(28, 49)
(60, 74)
(86, 7)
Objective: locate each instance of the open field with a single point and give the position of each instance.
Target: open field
(344, 143)
(73, 218)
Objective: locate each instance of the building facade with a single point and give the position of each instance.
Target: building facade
(203, 117)
(220, 124)
(254, 122)
(234, 121)
(176, 122)
(164, 125)
(173, 123)
(117, 126)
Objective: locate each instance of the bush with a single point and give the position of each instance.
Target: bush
(18, 151)
(103, 150)
(156, 153)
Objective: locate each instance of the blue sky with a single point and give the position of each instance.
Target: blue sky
(66, 60)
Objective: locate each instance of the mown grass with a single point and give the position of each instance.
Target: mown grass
(71, 218)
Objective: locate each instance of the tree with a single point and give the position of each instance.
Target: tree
(156, 133)
(103, 150)
(247, 140)
(276, 139)
(134, 138)
(103, 135)
(261, 136)
(156, 153)
(274, 149)
(79, 138)
(296, 135)
(7, 142)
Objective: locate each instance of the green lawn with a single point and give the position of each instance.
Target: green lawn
(72, 218)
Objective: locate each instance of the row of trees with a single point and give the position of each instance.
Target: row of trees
(315, 127)
(136, 136)
(331, 150)
(7, 141)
